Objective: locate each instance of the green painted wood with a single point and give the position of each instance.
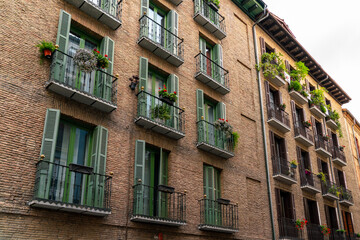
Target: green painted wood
(172, 26)
(143, 75)
(105, 82)
(218, 73)
(139, 176)
(200, 114)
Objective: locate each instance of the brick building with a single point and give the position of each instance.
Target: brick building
(91, 154)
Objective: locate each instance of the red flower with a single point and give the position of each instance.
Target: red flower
(222, 119)
(174, 92)
(98, 52)
(165, 90)
(226, 120)
(109, 59)
(95, 49)
(106, 55)
(159, 88)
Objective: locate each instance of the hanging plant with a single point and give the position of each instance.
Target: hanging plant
(322, 176)
(161, 111)
(85, 60)
(272, 65)
(299, 72)
(325, 230)
(102, 61)
(46, 49)
(224, 126)
(301, 224)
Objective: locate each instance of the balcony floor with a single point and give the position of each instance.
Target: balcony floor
(69, 207)
(339, 162)
(213, 228)
(158, 127)
(317, 112)
(176, 2)
(332, 124)
(215, 150)
(80, 96)
(330, 196)
(323, 152)
(300, 99)
(277, 81)
(285, 179)
(96, 12)
(160, 51)
(310, 188)
(209, 81)
(282, 127)
(208, 25)
(304, 141)
(154, 220)
(346, 203)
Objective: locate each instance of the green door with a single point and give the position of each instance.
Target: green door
(210, 117)
(212, 210)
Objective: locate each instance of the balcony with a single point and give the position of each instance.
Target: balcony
(96, 89)
(298, 97)
(282, 171)
(160, 116)
(160, 41)
(278, 119)
(315, 110)
(159, 205)
(346, 197)
(331, 123)
(277, 81)
(210, 19)
(212, 74)
(314, 232)
(310, 182)
(213, 140)
(219, 216)
(288, 230)
(322, 146)
(176, 2)
(74, 188)
(334, 235)
(303, 135)
(330, 190)
(338, 156)
(105, 11)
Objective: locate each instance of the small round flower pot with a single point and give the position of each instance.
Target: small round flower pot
(166, 100)
(47, 53)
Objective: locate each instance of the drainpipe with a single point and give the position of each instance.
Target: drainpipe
(357, 152)
(263, 124)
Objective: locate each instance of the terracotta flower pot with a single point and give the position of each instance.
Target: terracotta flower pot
(47, 53)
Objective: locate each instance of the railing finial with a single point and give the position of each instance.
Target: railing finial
(142, 88)
(139, 180)
(204, 195)
(185, 191)
(111, 173)
(144, 13)
(42, 156)
(202, 117)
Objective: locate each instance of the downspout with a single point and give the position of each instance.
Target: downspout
(357, 152)
(263, 124)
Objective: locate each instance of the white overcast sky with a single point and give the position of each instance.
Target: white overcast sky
(330, 31)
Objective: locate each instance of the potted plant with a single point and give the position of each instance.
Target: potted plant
(341, 232)
(325, 230)
(307, 123)
(282, 106)
(167, 97)
(318, 98)
(326, 137)
(307, 172)
(334, 190)
(357, 235)
(161, 112)
(102, 61)
(322, 176)
(342, 147)
(301, 224)
(235, 137)
(300, 71)
(46, 49)
(272, 65)
(293, 164)
(295, 85)
(214, 4)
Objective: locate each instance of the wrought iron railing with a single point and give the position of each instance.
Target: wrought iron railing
(112, 7)
(288, 230)
(309, 179)
(160, 111)
(211, 69)
(314, 232)
(202, 7)
(321, 142)
(334, 235)
(277, 113)
(300, 129)
(98, 83)
(210, 134)
(160, 202)
(73, 184)
(219, 213)
(282, 167)
(346, 195)
(329, 187)
(337, 153)
(161, 36)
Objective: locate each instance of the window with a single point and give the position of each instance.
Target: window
(323, 167)
(285, 206)
(319, 128)
(311, 211)
(357, 146)
(331, 218)
(311, 87)
(158, 23)
(340, 177)
(348, 224)
(69, 145)
(212, 209)
(273, 100)
(211, 60)
(269, 49)
(335, 141)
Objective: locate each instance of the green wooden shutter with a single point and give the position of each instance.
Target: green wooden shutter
(139, 174)
(200, 114)
(144, 7)
(62, 40)
(209, 191)
(110, 6)
(163, 177)
(143, 75)
(48, 146)
(173, 86)
(202, 47)
(96, 185)
(197, 8)
(172, 25)
(218, 72)
(219, 135)
(104, 86)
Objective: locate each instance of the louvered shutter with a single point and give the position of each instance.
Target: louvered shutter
(62, 40)
(301, 165)
(278, 203)
(218, 72)
(220, 135)
(313, 123)
(163, 179)
(210, 194)
(172, 25)
(267, 95)
(139, 177)
(274, 157)
(330, 142)
(262, 46)
(287, 66)
(144, 7)
(173, 86)
(293, 206)
(293, 111)
(200, 115)
(307, 211)
(48, 146)
(143, 76)
(104, 86)
(203, 60)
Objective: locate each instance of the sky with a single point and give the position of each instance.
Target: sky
(330, 31)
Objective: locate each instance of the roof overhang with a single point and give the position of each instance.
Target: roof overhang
(252, 8)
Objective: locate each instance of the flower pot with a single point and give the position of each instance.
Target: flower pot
(213, 6)
(293, 166)
(47, 53)
(166, 100)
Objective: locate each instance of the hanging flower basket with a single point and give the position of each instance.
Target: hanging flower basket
(85, 60)
(167, 97)
(307, 124)
(224, 126)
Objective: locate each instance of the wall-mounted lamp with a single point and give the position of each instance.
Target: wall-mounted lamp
(134, 81)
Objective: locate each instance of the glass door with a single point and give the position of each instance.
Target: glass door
(157, 25)
(210, 118)
(155, 82)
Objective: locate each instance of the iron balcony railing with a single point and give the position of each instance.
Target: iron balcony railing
(112, 7)
(277, 113)
(161, 36)
(159, 203)
(334, 235)
(208, 133)
(219, 213)
(309, 179)
(98, 83)
(337, 153)
(329, 187)
(288, 230)
(314, 232)
(73, 184)
(202, 7)
(320, 142)
(160, 111)
(211, 69)
(282, 167)
(345, 195)
(300, 129)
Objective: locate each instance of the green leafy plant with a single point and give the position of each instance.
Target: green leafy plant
(358, 235)
(323, 108)
(236, 137)
(161, 111)
(301, 224)
(216, 2)
(334, 190)
(304, 93)
(282, 106)
(299, 72)
(322, 177)
(102, 61)
(295, 85)
(165, 94)
(44, 45)
(341, 230)
(293, 162)
(317, 96)
(224, 125)
(334, 115)
(272, 65)
(325, 230)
